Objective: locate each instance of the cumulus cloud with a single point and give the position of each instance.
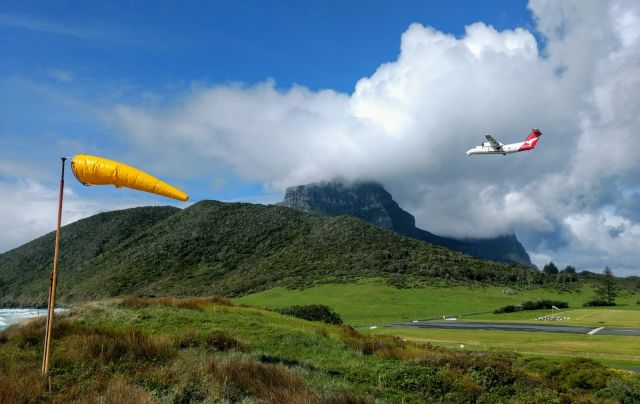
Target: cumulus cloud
(600, 236)
(409, 123)
(29, 209)
(574, 200)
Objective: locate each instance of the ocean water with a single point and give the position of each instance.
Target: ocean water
(10, 316)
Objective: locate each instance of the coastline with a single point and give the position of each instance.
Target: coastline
(9, 317)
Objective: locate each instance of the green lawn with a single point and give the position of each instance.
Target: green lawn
(611, 349)
(371, 301)
(623, 316)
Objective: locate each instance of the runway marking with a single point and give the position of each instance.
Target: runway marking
(595, 330)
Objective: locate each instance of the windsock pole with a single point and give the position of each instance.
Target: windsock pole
(52, 281)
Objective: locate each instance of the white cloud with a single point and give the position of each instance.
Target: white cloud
(604, 238)
(409, 123)
(29, 209)
(62, 75)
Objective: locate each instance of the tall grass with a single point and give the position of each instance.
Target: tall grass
(244, 355)
(104, 365)
(243, 378)
(191, 303)
(217, 340)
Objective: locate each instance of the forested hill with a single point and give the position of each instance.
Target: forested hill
(371, 202)
(229, 249)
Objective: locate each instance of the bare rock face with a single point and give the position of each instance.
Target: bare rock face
(369, 201)
(365, 200)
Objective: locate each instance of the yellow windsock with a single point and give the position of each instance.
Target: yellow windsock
(92, 170)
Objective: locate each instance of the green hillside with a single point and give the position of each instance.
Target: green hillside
(229, 249)
(24, 271)
(206, 350)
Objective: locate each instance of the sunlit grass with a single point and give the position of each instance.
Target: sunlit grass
(605, 347)
(371, 301)
(628, 316)
(194, 350)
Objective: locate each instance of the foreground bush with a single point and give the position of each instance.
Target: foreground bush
(313, 312)
(533, 305)
(598, 303)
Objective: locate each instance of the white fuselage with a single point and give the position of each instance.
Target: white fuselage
(486, 148)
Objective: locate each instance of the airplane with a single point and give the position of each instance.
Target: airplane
(492, 146)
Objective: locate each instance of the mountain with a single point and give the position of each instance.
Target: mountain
(229, 249)
(371, 202)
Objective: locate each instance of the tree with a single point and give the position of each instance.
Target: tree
(569, 272)
(607, 289)
(550, 269)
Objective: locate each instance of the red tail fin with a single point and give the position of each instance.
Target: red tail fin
(532, 140)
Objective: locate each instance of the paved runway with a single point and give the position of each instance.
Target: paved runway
(543, 327)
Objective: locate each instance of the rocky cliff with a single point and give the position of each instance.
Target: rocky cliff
(371, 202)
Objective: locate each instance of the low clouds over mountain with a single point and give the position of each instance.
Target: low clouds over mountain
(575, 75)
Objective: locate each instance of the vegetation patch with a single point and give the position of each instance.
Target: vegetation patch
(313, 312)
(247, 378)
(533, 305)
(191, 303)
(110, 352)
(598, 303)
(217, 341)
(251, 248)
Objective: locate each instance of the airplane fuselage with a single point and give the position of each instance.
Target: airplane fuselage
(486, 148)
(494, 147)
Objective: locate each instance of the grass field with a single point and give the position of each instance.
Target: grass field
(373, 302)
(616, 348)
(204, 350)
(623, 316)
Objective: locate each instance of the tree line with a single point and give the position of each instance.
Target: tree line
(606, 287)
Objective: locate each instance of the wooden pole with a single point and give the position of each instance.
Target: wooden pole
(52, 281)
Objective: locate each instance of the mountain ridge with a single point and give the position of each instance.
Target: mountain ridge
(228, 249)
(368, 200)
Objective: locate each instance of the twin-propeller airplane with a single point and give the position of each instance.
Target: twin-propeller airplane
(492, 146)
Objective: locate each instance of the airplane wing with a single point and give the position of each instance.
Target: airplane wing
(493, 142)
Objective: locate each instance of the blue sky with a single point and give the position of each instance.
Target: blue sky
(238, 100)
(60, 57)
(323, 44)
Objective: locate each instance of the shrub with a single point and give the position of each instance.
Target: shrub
(598, 303)
(313, 312)
(581, 373)
(533, 305)
(624, 391)
(543, 304)
(508, 309)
